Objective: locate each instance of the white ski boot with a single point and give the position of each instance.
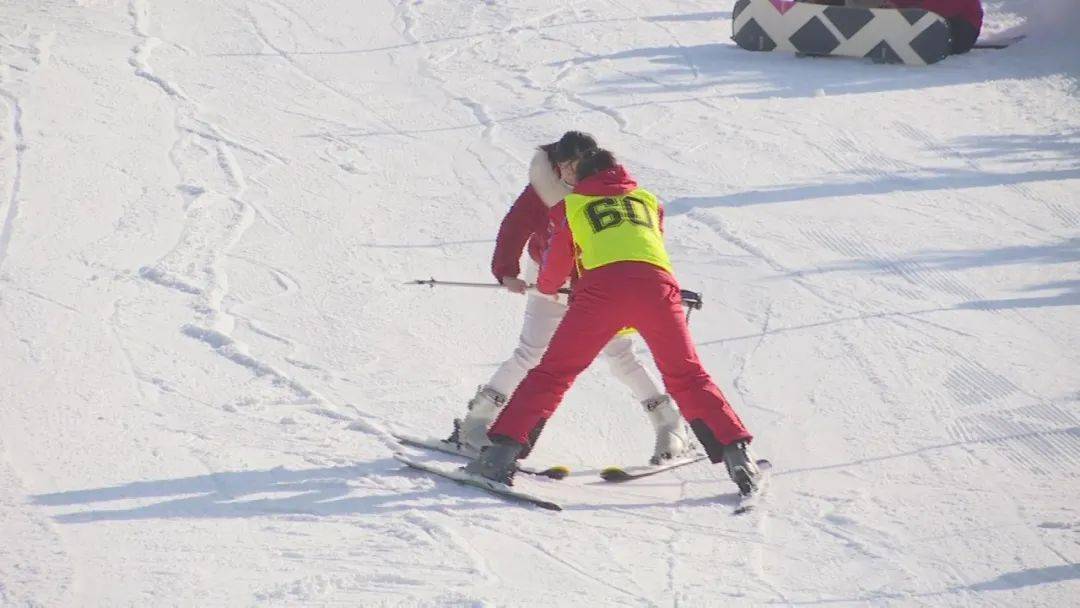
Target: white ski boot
(470, 432)
(672, 433)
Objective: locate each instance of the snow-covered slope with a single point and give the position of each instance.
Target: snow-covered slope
(208, 209)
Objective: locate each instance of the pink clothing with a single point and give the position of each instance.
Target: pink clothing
(525, 222)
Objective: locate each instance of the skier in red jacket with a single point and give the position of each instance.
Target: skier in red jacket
(526, 226)
(612, 232)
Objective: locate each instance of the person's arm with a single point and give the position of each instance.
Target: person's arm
(514, 233)
(558, 260)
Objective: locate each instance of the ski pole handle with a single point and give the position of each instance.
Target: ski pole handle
(691, 299)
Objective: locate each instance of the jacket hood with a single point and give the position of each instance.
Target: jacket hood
(545, 180)
(609, 182)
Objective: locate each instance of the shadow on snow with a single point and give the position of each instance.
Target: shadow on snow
(235, 494)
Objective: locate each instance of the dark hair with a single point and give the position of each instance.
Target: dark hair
(573, 145)
(594, 162)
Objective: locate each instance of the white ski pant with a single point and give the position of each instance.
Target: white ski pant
(542, 317)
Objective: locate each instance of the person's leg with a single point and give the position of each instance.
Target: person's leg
(658, 316)
(672, 432)
(542, 316)
(628, 369)
(587, 327)
(964, 35)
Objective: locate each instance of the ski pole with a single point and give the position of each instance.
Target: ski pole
(433, 282)
(690, 299)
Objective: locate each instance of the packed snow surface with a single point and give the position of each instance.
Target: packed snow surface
(209, 209)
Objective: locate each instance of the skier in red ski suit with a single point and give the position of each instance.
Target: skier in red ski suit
(612, 230)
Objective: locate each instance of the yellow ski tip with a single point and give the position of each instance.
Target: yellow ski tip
(557, 472)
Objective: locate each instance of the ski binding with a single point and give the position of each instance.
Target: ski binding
(459, 475)
(456, 449)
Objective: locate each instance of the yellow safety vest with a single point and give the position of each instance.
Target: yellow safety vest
(619, 228)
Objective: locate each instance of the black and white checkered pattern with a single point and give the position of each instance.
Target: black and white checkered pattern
(911, 36)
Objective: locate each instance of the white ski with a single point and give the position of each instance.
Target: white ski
(1000, 43)
(617, 474)
(459, 475)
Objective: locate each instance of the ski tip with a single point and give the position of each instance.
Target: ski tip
(614, 474)
(556, 472)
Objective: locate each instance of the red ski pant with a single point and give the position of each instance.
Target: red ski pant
(605, 300)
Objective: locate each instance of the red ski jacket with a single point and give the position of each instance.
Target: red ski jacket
(968, 10)
(525, 223)
(527, 220)
(560, 256)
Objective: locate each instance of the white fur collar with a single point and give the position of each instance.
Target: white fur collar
(545, 180)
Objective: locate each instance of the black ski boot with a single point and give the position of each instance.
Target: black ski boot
(498, 461)
(742, 468)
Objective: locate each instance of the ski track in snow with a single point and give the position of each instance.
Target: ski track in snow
(428, 66)
(218, 218)
(949, 151)
(12, 208)
(253, 22)
(916, 276)
(139, 10)
(36, 568)
(723, 231)
(1042, 439)
(1039, 450)
(546, 554)
(41, 571)
(738, 379)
